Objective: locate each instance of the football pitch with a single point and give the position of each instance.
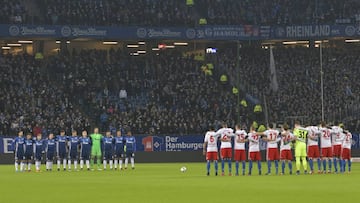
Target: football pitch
(165, 183)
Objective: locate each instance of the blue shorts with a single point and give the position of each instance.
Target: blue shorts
(50, 155)
(61, 155)
(108, 155)
(130, 153)
(38, 156)
(119, 153)
(19, 155)
(28, 156)
(85, 155)
(73, 154)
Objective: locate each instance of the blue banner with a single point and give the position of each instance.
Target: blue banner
(226, 32)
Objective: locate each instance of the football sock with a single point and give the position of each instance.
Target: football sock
(311, 163)
(88, 163)
(116, 163)
(222, 165)
(64, 163)
(58, 163)
(297, 160)
(276, 167)
(283, 167)
(330, 163)
(349, 165)
(304, 163)
(69, 164)
(269, 166)
(126, 162)
(290, 166)
(111, 164)
(29, 166)
(75, 164)
(335, 164)
(98, 161)
(237, 167)
(120, 163)
(259, 166)
(216, 166)
(243, 167)
(324, 164)
(319, 164)
(250, 166)
(104, 162)
(208, 166)
(16, 166)
(132, 162)
(229, 164)
(81, 163)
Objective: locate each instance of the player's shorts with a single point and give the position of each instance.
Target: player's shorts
(96, 151)
(130, 153)
(346, 154)
(38, 156)
(28, 156)
(108, 155)
(119, 153)
(85, 155)
(19, 155)
(254, 156)
(326, 152)
(272, 154)
(313, 151)
(300, 150)
(73, 155)
(226, 153)
(212, 156)
(336, 150)
(50, 156)
(240, 155)
(286, 154)
(61, 154)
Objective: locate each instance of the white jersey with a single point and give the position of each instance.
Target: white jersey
(225, 133)
(314, 131)
(211, 139)
(254, 142)
(271, 135)
(285, 143)
(240, 136)
(336, 135)
(347, 140)
(325, 138)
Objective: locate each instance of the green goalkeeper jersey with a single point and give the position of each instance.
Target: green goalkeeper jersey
(96, 144)
(301, 135)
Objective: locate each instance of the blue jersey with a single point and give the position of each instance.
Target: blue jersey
(108, 144)
(19, 145)
(29, 146)
(39, 148)
(50, 145)
(119, 143)
(130, 143)
(85, 144)
(61, 143)
(74, 143)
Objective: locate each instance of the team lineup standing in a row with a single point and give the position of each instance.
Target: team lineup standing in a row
(334, 142)
(68, 150)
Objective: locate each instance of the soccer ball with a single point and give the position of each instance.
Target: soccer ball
(183, 169)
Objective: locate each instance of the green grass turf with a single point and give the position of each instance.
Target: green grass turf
(165, 183)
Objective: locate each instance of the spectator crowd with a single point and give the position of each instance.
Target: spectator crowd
(181, 12)
(170, 93)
